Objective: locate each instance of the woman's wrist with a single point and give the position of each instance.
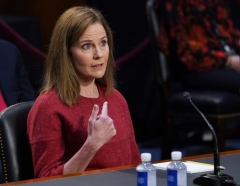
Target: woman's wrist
(91, 145)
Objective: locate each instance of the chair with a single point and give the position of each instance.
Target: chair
(15, 149)
(215, 105)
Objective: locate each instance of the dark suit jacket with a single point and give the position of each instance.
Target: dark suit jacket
(14, 83)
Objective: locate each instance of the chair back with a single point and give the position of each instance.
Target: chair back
(153, 22)
(169, 69)
(15, 148)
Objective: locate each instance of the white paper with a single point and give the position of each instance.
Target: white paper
(192, 166)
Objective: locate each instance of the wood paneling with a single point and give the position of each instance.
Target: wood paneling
(46, 12)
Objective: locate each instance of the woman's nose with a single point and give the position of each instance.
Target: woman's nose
(97, 52)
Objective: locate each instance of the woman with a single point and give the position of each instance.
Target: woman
(67, 130)
(201, 35)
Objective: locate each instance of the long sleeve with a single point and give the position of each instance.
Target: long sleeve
(56, 132)
(46, 140)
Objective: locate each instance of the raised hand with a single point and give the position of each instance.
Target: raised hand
(100, 127)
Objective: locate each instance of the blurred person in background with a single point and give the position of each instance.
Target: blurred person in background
(201, 35)
(15, 86)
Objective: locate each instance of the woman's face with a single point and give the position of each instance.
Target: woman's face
(90, 53)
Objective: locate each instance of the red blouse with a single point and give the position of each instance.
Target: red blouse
(2, 102)
(56, 132)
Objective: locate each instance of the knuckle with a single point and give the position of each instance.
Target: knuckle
(104, 118)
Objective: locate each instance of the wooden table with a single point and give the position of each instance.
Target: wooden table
(126, 175)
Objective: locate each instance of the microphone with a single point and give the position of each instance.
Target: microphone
(216, 178)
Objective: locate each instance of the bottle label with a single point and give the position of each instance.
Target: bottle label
(172, 178)
(142, 179)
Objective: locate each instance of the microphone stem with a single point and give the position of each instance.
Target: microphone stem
(216, 152)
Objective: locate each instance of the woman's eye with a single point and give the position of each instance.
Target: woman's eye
(86, 46)
(103, 43)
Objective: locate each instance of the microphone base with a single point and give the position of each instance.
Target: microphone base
(213, 180)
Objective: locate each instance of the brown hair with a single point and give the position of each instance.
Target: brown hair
(59, 71)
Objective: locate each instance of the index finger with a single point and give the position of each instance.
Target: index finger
(94, 113)
(105, 108)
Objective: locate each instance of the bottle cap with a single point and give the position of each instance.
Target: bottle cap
(146, 157)
(176, 155)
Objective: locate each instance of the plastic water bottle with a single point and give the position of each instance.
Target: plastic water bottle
(146, 172)
(176, 171)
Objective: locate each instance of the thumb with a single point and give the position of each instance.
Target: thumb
(105, 109)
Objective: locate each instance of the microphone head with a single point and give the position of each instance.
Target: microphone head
(187, 96)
